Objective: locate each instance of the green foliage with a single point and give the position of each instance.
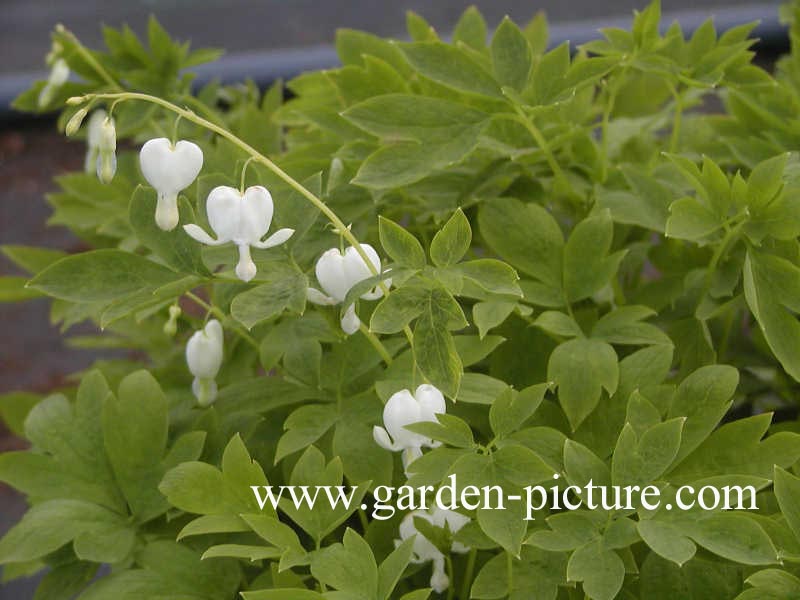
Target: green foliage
(602, 280)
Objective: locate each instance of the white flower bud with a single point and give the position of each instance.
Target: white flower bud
(107, 146)
(242, 219)
(423, 550)
(169, 169)
(59, 74)
(403, 409)
(337, 273)
(75, 122)
(204, 352)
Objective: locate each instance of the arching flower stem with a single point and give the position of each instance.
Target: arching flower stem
(193, 117)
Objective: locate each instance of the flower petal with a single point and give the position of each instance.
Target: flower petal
(276, 239)
(381, 437)
(316, 297)
(196, 232)
(330, 274)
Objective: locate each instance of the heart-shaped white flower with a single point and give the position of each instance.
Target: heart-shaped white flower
(204, 352)
(423, 550)
(169, 169)
(337, 273)
(404, 409)
(242, 219)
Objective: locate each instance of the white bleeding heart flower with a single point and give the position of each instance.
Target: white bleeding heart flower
(423, 550)
(404, 409)
(241, 218)
(337, 273)
(169, 169)
(204, 352)
(59, 74)
(107, 151)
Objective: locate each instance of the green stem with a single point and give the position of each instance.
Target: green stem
(217, 312)
(719, 253)
(257, 156)
(467, 583)
(539, 138)
(676, 123)
(376, 343)
(451, 589)
(88, 56)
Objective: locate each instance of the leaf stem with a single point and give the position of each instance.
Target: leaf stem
(451, 589)
(539, 138)
(88, 56)
(466, 584)
(217, 312)
(676, 123)
(376, 343)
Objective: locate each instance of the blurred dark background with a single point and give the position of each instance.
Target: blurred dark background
(264, 40)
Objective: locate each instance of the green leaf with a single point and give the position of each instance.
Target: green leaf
(135, 426)
(492, 275)
(524, 235)
(511, 409)
(101, 276)
(451, 67)
(787, 491)
(452, 241)
(391, 569)
(175, 247)
(401, 246)
(281, 287)
(434, 348)
(582, 368)
(449, 430)
(667, 540)
(765, 279)
(623, 325)
(14, 289)
(304, 427)
(703, 399)
(413, 118)
(641, 459)
(511, 56)
(49, 525)
(690, 220)
(348, 567)
(471, 29)
(587, 266)
(735, 537)
(600, 570)
(399, 308)
(403, 163)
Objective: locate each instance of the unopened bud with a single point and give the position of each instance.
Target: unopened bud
(75, 122)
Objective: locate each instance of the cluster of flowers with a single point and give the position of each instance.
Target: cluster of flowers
(243, 217)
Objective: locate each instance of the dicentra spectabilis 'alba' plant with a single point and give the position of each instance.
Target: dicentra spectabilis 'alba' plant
(59, 74)
(337, 272)
(423, 550)
(403, 409)
(204, 356)
(106, 150)
(169, 168)
(241, 218)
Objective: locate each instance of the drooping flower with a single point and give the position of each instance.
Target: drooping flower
(107, 151)
(169, 169)
(204, 357)
(241, 218)
(337, 273)
(423, 550)
(403, 409)
(93, 128)
(59, 74)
